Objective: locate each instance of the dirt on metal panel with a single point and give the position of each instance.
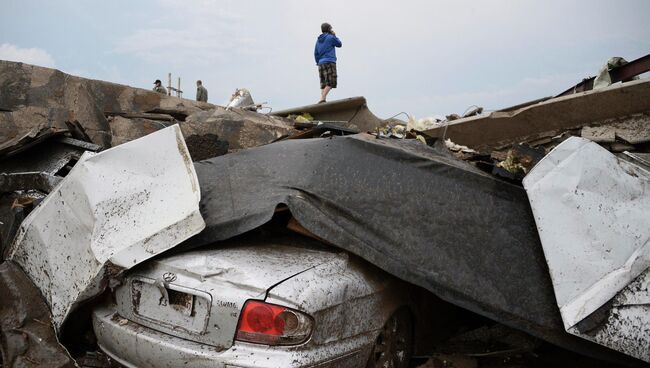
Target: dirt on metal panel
(119, 207)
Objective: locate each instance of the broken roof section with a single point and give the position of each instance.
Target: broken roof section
(113, 210)
(352, 113)
(551, 117)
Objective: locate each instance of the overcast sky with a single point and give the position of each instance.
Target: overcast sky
(426, 58)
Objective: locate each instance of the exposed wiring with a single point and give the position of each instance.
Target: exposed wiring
(408, 117)
(470, 107)
(447, 121)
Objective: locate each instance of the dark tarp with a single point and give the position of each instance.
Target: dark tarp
(413, 210)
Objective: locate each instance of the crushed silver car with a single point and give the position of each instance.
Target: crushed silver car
(288, 302)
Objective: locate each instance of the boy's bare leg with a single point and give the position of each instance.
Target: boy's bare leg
(324, 92)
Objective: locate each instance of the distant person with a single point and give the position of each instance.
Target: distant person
(201, 92)
(325, 55)
(157, 87)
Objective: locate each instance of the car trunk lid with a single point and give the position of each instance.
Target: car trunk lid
(198, 295)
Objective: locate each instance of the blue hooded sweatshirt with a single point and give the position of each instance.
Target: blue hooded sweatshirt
(324, 51)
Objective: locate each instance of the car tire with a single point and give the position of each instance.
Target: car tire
(394, 344)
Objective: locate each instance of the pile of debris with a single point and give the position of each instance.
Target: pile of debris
(509, 143)
(37, 102)
(97, 178)
(584, 160)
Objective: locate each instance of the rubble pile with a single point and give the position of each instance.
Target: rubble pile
(37, 102)
(530, 222)
(617, 118)
(583, 160)
(35, 96)
(48, 119)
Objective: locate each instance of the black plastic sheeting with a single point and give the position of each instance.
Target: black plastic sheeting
(413, 210)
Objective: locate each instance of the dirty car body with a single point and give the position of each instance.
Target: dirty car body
(188, 309)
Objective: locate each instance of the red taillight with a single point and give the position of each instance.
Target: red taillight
(271, 324)
(260, 317)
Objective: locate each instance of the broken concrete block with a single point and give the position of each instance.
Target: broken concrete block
(127, 129)
(634, 129)
(240, 128)
(24, 124)
(210, 131)
(600, 134)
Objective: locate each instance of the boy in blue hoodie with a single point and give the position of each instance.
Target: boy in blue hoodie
(325, 55)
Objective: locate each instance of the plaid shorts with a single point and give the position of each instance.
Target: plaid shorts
(327, 74)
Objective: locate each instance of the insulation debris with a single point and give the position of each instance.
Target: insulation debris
(457, 147)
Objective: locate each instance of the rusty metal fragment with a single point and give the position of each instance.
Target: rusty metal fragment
(623, 73)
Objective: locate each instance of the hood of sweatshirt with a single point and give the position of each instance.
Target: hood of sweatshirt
(322, 37)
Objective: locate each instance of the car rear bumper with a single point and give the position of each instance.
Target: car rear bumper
(134, 345)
